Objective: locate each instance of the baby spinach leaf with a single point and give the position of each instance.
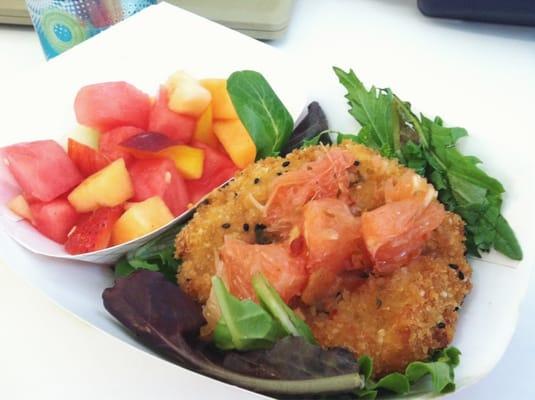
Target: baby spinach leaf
(167, 320)
(272, 302)
(262, 113)
(244, 325)
(429, 147)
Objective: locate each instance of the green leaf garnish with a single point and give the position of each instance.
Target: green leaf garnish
(262, 113)
(439, 368)
(272, 302)
(428, 147)
(244, 325)
(157, 254)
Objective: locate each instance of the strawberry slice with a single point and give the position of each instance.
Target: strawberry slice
(94, 231)
(87, 159)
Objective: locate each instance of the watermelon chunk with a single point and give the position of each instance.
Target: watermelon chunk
(180, 128)
(42, 169)
(218, 168)
(109, 105)
(159, 177)
(54, 219)
(110, 140)
(93, 232)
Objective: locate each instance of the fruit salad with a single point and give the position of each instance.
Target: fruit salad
(133, 164)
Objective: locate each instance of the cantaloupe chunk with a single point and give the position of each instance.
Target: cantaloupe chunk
(20, 206)
(222, 106)
(108, 187)
(141, 218)
(189, 161)
(203, 131)
(236, 141)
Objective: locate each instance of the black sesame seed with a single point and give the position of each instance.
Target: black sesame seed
(279, 173)
(460, 275)
(456, 309)
(225, 185)
(235, 194)
(441, 325)
(259, 227)
(246, 227)
(378, 302)
(453, 266)
(206, 201)
(356, 163)
(226, 225)
(364, 275)
(256, 181)
(285, 163)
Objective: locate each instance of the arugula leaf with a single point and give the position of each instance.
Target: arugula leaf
(429, 147)
(272, 302)
(375, 112)
(157, 254)
(262, 113)
(244, 325)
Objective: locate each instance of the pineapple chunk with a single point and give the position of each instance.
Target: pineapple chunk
(108, 187)
(186, 95)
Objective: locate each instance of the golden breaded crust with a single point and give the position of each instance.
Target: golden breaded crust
(404, 316)
(395, 319)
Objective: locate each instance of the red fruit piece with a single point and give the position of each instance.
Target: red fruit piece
(159, 177)
(42, 169)
(325, 177)
(396, 232)
(87, 159)
(331, 234)
(110, 140)
(93, 232)
(177, 127)
(109, 105)
(242, 260)
(217, 169)
(54, 219)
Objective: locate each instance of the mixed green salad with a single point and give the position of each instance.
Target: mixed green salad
(265, 346)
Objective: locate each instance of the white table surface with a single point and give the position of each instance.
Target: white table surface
(47, 353)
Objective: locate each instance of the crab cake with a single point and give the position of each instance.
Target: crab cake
(362, 285)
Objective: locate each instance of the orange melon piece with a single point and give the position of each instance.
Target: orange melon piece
(236, 141)
(109, 187)
(20, 206)
(141, 218)
(204, 131)
(221, 103)
(189, 161)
